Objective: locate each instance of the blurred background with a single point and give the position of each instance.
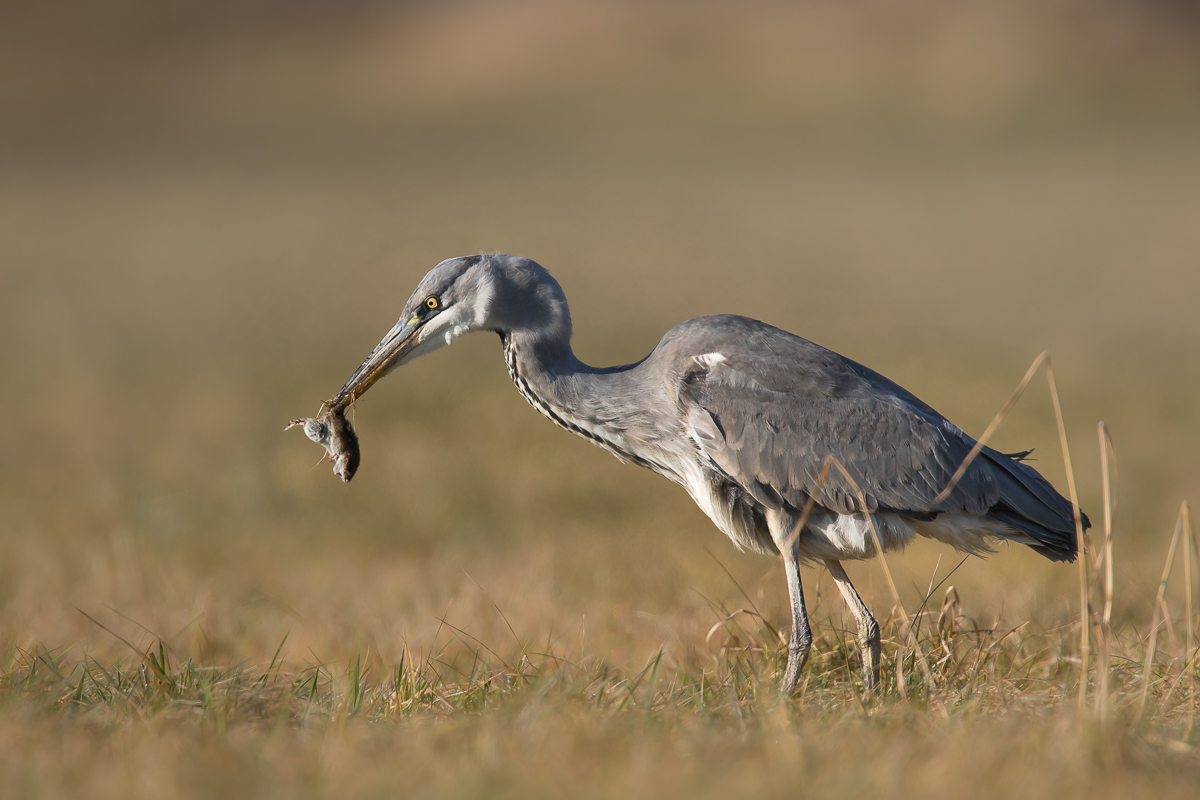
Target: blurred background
(211, 211)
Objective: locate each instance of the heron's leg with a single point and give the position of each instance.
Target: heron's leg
(781, 525)
(868, 629)
(801, 634)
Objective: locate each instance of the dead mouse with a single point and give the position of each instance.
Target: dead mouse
(332, 430)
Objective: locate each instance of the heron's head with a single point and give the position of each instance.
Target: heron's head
(507, 294)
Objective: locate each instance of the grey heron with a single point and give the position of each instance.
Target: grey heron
(744, 417)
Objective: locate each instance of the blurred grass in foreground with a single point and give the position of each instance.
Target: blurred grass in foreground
(994, 718)
(208, 215)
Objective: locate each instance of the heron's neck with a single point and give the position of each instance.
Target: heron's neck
(590, 402)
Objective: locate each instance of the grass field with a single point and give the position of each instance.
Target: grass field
(207, 219)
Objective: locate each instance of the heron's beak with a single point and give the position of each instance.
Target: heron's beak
(387, 355)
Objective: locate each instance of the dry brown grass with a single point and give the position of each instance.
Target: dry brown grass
(699, 717)
(203, 228)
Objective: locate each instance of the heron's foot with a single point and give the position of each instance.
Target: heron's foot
(868, 637)
(868, 628)
(797, 658)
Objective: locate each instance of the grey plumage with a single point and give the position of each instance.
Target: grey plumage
(778, 405)
(743, 416)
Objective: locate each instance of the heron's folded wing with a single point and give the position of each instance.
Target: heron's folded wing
(770, 423)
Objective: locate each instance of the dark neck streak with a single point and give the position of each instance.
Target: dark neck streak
(552, 409)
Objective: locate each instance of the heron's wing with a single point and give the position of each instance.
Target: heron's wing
(774, 441)
(768, 408)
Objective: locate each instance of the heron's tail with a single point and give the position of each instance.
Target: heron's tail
(1031, 505)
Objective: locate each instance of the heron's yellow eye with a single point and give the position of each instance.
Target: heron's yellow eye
(431, 303)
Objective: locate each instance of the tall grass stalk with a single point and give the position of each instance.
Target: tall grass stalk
(1186, 512)
(1192, 552)
(1108, 470)
(1080, 540)
(1159, 608)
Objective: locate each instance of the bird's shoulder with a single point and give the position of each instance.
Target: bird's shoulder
(727, 352)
